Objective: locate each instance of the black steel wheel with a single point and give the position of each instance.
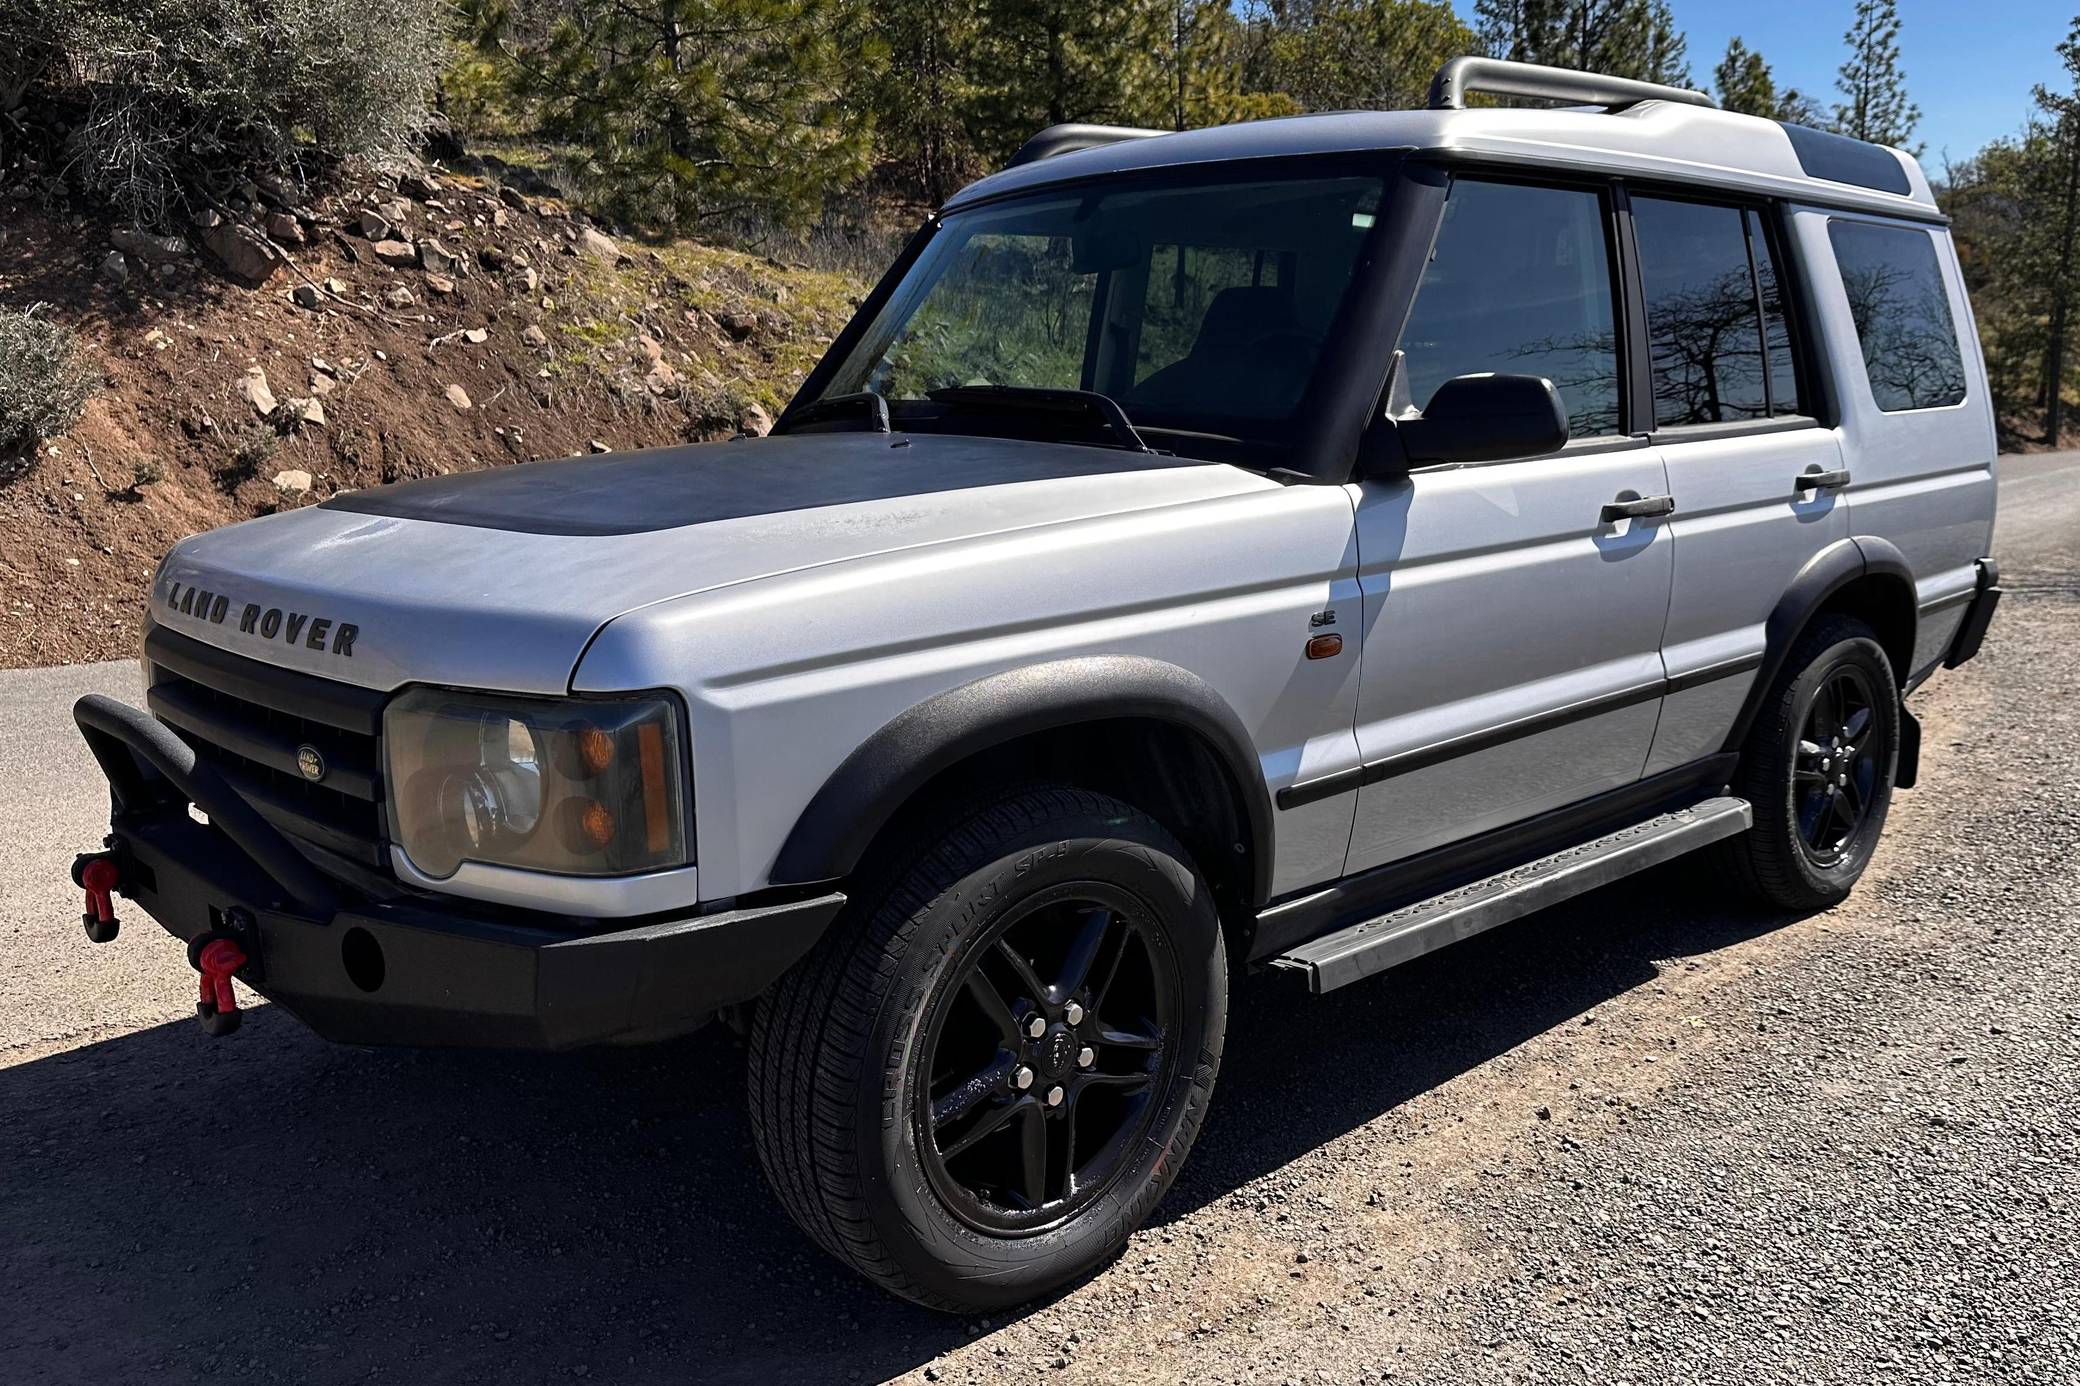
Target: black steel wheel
(1048, 1042)
(1818, 767)
(981, 1082)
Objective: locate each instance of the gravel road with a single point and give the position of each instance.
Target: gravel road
(1649, 1136)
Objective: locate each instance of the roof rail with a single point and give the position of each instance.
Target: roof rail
(1067, 139)
(1498, 77)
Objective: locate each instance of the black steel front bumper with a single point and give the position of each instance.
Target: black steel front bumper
(409, 971)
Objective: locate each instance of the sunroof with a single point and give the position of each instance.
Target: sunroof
(1839, 159)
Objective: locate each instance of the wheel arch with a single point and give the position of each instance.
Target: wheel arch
(1093, 710)
(1865, 577)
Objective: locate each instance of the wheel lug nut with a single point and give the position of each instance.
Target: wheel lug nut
(1074, 1014)
(1055, 1095)
(1022, 1078)
(1036, 1027)
(1086, 1056)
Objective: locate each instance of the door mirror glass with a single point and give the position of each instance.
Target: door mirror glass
(1485, 418)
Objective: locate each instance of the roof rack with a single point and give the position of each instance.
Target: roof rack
(1067, 139)
(1499, 77)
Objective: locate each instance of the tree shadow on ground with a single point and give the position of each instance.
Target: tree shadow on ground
(283, 1209)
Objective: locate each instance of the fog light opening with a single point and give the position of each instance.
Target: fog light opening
(363, 958)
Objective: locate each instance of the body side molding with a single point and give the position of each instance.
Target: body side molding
(873, 783)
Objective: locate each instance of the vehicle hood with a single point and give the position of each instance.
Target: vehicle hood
(500, 578)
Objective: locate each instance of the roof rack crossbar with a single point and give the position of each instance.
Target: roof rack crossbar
(1067, 139)
(1461, 77)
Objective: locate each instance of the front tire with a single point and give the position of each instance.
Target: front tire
(977, 1086)
(1818, 768)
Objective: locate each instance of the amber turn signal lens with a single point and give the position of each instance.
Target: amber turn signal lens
(1324, 646)
(589, 824)
(595, 750)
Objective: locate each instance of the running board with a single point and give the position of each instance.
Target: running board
(1361, 950)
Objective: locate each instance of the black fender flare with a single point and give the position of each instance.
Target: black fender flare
(883, 772)
(1824, 574)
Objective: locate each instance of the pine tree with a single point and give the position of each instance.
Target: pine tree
(1874, 89)
(922, 99)
(1745, 84)
(2063, 109)
(1331, 55)
(692, 110)
(1621, 38)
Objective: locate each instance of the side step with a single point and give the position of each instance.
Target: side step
(1361, 950)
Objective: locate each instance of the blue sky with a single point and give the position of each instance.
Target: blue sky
(1969, 63)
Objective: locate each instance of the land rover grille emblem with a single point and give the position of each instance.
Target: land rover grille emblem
(310, 763)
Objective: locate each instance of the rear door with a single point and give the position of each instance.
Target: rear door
(1511, 635)
(1757, 480)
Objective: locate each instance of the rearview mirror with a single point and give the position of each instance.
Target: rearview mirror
(1484, 418)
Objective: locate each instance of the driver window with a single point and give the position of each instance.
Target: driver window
(1520, 281)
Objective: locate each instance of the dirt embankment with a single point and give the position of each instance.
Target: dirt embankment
(404, 328)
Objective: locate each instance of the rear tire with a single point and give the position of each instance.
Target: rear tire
(1818, 811)
(903, 1109)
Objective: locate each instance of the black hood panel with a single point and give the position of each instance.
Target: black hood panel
(667, 488)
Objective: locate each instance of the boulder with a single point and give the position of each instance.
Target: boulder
(401, 254)
(419, 185)
(436, 258)
(755, 421)
(458, 397)
(398, 296)
(252, 388)
(283, 228)
(244, 253)
(115, 269)
(293, 483)
(599, 246)
(374, 225)
(440, 284)
(533, 336)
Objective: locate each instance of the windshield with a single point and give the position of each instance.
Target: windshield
(1200, 308)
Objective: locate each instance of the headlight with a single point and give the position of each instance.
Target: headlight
(579, 786)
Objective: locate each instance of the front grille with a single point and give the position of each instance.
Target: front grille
(250, 722)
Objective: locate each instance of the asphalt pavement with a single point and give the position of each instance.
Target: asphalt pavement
(1652, 1135)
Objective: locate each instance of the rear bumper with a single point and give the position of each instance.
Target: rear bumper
(408, 972)
(1971, 631)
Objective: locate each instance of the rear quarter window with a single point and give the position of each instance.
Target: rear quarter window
(1902, 314)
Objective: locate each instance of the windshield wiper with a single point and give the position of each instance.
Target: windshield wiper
(870, 402)
(1035, 399)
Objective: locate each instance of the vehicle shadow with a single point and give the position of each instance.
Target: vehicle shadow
(280, 1208)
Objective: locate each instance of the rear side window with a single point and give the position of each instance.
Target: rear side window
(1519, 281)
(1902, 313)
(1718, 341)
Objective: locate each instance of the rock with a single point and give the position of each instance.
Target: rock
(252, 388)
(491, 257)
(298, 413)
(293, 483)
(336, 287)
(755, 421)
(738, 325)
(244, 253)
(322, 385)
(149, 248)
(458, 397)
(374, 225)
(208, 217)
(652, 349)
(396, 211)
(663, 380)
(324, 367)
(533, 336)
(400, 254)
(527, 281)
(598, 246)
(512, 197)
(436, 258)
(439, 284)
(419, 185)
(306, 295)
(398, 296)
(115, 269)
(282, 227)
(475, 336)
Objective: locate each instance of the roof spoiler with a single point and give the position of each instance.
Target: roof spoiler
(1461, 77)
(1067, 139)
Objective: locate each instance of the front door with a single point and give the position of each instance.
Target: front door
(1512, 634)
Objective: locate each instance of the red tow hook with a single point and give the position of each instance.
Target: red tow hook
(218, 957)
(99, 877)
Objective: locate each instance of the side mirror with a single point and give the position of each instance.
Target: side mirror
(1484, 418)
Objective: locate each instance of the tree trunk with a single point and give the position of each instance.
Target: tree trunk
(2055, 358)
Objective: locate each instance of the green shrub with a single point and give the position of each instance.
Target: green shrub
(45, 380)
(172, 102)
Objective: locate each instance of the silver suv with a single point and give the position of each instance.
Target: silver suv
(1301, 544)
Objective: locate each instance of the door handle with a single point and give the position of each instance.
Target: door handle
(1821, 481)
(1638, 509)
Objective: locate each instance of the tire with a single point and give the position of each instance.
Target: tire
(880, 1053)
(1801, 854)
